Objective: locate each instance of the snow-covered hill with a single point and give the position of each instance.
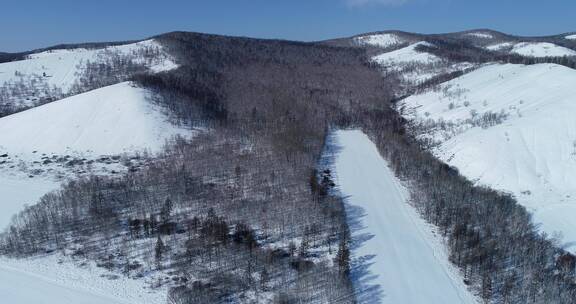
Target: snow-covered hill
(384, 40)
(405, 262)
(106, 121)
(98, 131)
(415, 66)
(510, 127)
(406, 55)
(533, 49)
(79, 134)
(26, 82)
(542, 49)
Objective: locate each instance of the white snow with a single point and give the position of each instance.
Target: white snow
(61, 68)
(18, 191)
(56, 279)
(571, 37)
(404, 258)
(480, 35)
(406, 55)
(414, 66)
(542, 49)
(380, 40)
(106, 121)
(533, 49)
(531, 154)
(500, 46)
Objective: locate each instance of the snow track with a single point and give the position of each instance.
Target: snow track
(396, 257)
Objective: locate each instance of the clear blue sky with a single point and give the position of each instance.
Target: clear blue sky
(39, 23)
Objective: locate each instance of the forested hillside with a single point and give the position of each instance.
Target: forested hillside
(246, 212)
(239, 213)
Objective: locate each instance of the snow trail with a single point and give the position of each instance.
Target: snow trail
(396, 257)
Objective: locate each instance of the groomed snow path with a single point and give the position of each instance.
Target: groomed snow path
(400, 259)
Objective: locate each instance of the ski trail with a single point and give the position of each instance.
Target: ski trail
(403, 261)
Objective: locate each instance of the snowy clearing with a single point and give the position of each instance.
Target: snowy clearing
(406, 55)
(18, 191)
(571, 37)
(57, 279)
(110, 120)
(533, 49)
(380, 40)
(542, 49)
(406, 262)
(416, 67)
(510, 127)
(480, 35)
(500, 46)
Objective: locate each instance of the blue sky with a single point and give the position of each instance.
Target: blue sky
(39, 23)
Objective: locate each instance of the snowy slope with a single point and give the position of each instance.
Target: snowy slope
(380, 40)
(57, 279)
(404, 258)
(415, 66)
(571, 37)
(41, 146)
(22, 288)
(529, 151)
(15, 192)
(110, 120)
(542, 49)
(406, 55)
(533, 49)
(500, 46)
(59, 69)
